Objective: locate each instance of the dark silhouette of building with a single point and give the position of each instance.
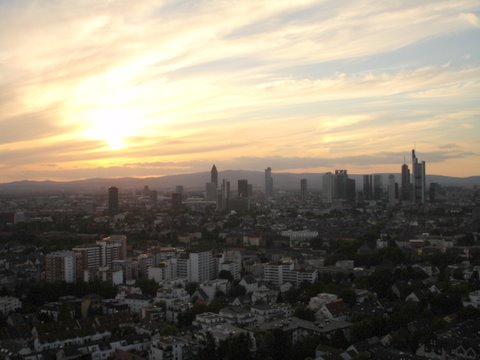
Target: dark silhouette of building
(243, 188)
(367, 187)
(303, 189)
(418, 180)
(268, 183)
(377, 187)
(113, 200)
(214, 175)
(340, 184)
(405, 184)
(176, 200)
(344, 188)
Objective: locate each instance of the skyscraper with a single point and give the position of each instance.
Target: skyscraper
(303, 189)
(211, 191)
(328, 187)
(418, 180)
(113, 200)
(392, 200)
(214, 175)
(377, 187)
(268, 183)
(406, 186)
(340, 184)
(367, 187)
(225, 189)
(243, 188)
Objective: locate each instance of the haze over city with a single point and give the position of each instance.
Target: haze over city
(152, 88)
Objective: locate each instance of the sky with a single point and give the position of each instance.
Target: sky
(92, 88)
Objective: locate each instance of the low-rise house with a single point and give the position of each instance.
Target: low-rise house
(336, 310)
(99, 350)
(137, 302)
(207, 320)
(418, 296)
(221, 332)
(321, 299)
(132, 342)
(249, 283)
(473, 299)
(169, 295)
(66, 337)
(237, 315)
(213, 287)
(169, 348)
(297, 329)
(458, 342)
(175, 309)
(264, 295)
(264, 312)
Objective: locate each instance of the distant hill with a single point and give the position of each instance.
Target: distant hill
(196, 181)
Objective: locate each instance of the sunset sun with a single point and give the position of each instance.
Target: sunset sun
(112, 126)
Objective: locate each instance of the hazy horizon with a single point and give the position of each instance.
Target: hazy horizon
(115, 89)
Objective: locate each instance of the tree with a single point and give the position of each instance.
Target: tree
(338, 339)
(237, 290)
(238, 347)
(225, 274)
(169, 330)
(348, 296)
(191, 287)
(303, 312)
(208, 351)
(148, 286)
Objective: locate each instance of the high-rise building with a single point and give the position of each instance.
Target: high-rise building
(211, 191)
(303, 189)
(340, 184)
(377, 187)
(113, 200)
(214, 176)
(418, 180)
(113, 247)
(90, 258)
(268, 183)
(405, 183)
(195, 266)
(179, 189)
(61, 266)
(243, 188)
(153, 198)
(202, 266)
(328, 187)
(433, 191)
(367, 187)
(392, 200)
(223, 197)
(176, 200)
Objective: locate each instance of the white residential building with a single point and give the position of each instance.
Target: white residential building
(202, 266)
(164, 271)
(168, 348)
(280, 273)
(61, 266)
(138, 302)
(321, 299)
(232, 267)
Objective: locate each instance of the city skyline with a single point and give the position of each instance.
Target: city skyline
(117, 89)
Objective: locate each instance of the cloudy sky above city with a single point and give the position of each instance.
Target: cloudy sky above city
(148, 88)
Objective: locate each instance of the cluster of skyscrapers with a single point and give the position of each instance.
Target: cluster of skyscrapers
(336, 187)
